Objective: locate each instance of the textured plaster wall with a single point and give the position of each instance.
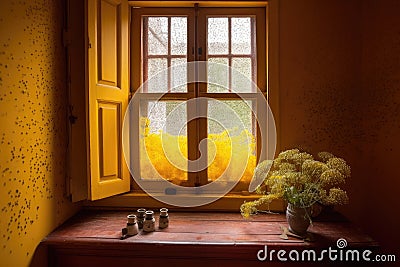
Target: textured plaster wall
(340, 92)
(33, 137)
(319, 80)
(379, 158)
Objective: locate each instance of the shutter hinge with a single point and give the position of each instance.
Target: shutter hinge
(72, 119)
(66, 38)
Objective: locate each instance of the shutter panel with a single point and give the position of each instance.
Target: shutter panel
(108, 60)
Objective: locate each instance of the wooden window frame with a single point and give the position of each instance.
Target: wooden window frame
(197, 31)
(233, 200)
(259, 13)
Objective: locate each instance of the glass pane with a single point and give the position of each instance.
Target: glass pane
(231, 140)
(217, 32)
(241, 36)
(163, 140)
(178, 35)
(157, 32)
(218, 75)
(242, 82)
(179, 75)
(229, 114)
(157, 80)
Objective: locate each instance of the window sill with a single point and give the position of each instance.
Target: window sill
(230, 202)
(92, 238)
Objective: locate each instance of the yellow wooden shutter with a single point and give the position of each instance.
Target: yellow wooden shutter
(108, 57)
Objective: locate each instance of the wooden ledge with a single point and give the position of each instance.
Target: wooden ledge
(195, 238)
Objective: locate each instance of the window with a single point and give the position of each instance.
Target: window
(127, 45)
(233, 43)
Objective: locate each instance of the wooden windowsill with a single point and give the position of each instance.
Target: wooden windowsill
(230, 202)
(92, 238)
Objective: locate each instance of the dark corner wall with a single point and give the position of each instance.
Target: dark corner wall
(340, 92)
(379, 158)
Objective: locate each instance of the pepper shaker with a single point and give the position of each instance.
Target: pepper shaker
(141, 216)
(149, 224)
(163, 222)
(132, 227)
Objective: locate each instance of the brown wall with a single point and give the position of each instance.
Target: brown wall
(33, 132)
(339, 91)
(380, 143)
(319, 73)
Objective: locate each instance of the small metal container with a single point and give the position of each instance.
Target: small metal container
(149, 224)
(141, 217)
(163, 222)
(131, 225)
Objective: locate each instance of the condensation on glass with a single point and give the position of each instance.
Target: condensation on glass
(231, 138)
(231, 42)
(163, 129)
(165, 44)
(230, 127)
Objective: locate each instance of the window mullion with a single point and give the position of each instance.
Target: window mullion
(201, 108)
(169, 82)
(145, 54)
(192, 125)
(230, 54)
(253, 55)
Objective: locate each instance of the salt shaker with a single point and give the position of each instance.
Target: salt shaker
(163, 222)
(149, 224)
(141, 216)
(131, 225)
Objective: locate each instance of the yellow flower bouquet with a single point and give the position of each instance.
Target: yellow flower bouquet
(301, 180)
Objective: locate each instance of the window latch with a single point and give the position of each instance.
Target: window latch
(66, 38)
(72, 119)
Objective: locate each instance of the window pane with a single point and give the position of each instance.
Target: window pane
(241, 36)
(231, 140)
(178, 36)
(157, 33)
(163, 140)
(179, 75)
(157, 82)
(217, 32)
(218, 75)
(242, 83)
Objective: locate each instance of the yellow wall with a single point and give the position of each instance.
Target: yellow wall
(340, 92)
(33, 134)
